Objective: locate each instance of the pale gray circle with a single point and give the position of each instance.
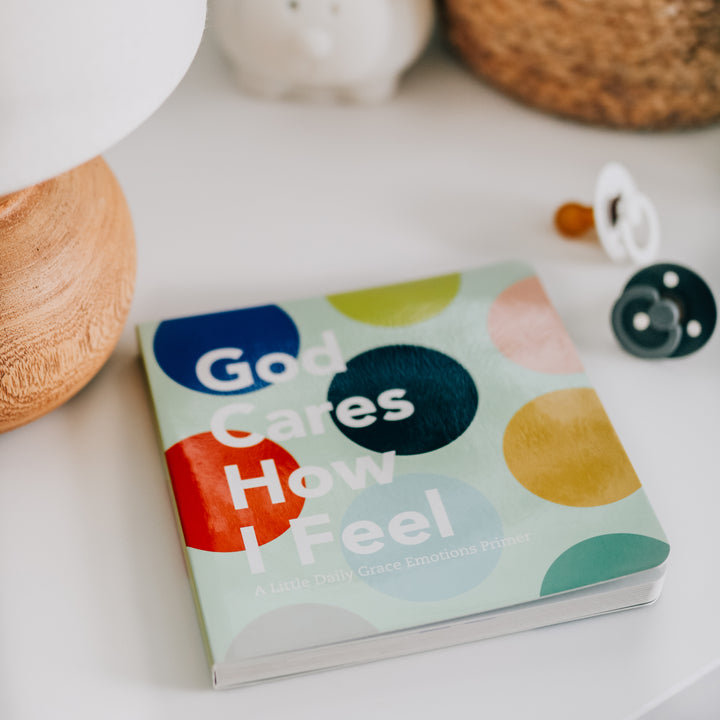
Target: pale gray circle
(296, 627)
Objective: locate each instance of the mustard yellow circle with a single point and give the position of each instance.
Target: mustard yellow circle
(562, 447)
(399, 305)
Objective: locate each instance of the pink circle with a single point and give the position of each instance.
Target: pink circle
(526, 328)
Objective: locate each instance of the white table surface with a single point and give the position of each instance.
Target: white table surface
(238, 201)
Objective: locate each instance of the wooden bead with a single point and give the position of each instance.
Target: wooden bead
(67, 273)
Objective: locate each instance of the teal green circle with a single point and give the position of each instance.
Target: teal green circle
(601, 558)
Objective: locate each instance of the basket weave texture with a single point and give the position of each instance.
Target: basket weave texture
(648, 64)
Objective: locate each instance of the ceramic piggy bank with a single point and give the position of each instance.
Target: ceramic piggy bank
(337, 50)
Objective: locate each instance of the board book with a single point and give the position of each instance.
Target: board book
(385, 471)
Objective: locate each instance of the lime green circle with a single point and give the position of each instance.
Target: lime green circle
(401, 304)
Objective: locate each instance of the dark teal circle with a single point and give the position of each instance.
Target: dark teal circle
(441, 390)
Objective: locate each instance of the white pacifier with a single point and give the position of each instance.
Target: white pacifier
(625, 220)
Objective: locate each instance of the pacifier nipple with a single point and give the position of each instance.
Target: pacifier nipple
(574, 220)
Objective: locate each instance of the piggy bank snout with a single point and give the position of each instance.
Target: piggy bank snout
(316, 42)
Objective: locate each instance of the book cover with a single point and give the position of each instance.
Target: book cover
(355, 466)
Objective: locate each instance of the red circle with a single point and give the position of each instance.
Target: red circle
(207, 514)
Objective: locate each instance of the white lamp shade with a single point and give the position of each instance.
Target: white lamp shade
(76, 76)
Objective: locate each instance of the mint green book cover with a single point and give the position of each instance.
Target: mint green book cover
(356, 466)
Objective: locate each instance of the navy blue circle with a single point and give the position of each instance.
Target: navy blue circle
(179, 344)
(442, 392)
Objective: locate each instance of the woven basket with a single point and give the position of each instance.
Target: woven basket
(624, 63)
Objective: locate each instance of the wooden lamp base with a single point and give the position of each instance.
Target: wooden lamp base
(67, 273)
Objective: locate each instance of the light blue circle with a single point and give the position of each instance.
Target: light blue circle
(440, 567)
